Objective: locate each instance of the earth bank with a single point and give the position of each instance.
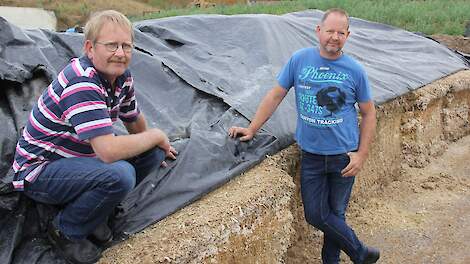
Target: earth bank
(410, 199)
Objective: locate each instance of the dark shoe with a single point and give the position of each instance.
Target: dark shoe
(77, 252)
(102, 235)
(372, 255)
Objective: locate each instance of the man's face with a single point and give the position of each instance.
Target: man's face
(108, 62)
(332, 35)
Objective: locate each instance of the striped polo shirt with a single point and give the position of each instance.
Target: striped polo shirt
(77, 106)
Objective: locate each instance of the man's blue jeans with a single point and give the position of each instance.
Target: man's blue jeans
(89, 189)
(325, 195)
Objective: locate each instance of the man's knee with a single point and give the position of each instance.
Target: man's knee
(315, 218)
(341, 213)
(121, 177)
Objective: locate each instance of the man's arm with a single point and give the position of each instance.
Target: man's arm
(266, 108)
(138, 126)
(110, 148)
(367, 130)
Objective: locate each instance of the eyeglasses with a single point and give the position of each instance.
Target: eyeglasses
(114, 46)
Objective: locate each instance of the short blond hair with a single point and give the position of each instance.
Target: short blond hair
(337, 11)
(97, 21)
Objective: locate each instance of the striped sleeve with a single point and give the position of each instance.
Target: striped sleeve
(84, 107)
(128, 110)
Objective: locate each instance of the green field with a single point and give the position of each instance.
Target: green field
(427, 16)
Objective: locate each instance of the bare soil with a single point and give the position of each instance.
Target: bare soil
(414, 203)
(247, 220)
(70, 13)
(426, 217)
(459, 43)
(417, 212)
(413, 199)
(422, 219)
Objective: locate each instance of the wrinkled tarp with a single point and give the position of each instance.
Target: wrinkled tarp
(195, 76)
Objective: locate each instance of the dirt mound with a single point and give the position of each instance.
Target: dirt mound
(459, 43)
(201, 4)
(425, 218)
(412, 199)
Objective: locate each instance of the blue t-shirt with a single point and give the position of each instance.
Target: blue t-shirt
(326, 92)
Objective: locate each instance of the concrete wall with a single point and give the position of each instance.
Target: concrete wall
(258, 216)
(29, 18)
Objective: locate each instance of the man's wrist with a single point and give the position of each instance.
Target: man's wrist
(363, 153)
(252, 130)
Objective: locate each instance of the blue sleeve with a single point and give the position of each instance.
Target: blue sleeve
(363, 89)
(285, 78)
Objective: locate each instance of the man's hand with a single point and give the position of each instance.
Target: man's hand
(245, 133)
(367, 128)
(164, 144)
(355, 164)
(266, 108)
(170, 154)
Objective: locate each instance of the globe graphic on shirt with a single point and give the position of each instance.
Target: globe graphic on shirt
(332, 99)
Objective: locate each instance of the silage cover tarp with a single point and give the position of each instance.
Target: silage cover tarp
(195, 76)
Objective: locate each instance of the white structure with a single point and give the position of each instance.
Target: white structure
(29, 18)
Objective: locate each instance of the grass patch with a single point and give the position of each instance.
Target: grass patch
(426, 16)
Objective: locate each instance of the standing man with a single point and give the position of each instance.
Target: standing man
(68, 154)
(328, 84)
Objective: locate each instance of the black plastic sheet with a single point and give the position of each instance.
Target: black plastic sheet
(195, 76)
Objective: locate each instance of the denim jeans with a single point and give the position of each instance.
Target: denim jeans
(325, 195)
(89, 189)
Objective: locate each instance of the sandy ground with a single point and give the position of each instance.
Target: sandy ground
(426, 218)
(459, 43)
(422, 216)
(423, 219)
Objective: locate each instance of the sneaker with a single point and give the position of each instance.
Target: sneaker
(372, 255)
(102, 235)
(76, 252)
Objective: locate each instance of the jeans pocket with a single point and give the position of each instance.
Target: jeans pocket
(345, 159)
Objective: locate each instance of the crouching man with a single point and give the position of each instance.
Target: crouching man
(68, 154)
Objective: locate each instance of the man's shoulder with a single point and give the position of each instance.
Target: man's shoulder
(352, 61)
(308, 54)
(301, 53)
(79, 70)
